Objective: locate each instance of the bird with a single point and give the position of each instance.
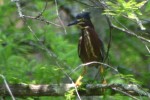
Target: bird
(90, 46)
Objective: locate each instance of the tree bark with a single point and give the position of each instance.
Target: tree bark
(61, 89)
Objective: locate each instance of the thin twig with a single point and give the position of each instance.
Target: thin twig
(125, 93)
(71, 82)
(110, 37)
(59, 17)
(131, 33)
(40, 14)
(94, 62)
(42, 19)
(94, 2)
(7, 87)
(18, 7)
(41, 44)
(84, 3)
(147, 48)
(31, 17)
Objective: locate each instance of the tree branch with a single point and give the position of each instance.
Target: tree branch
(131, 33)
(38, 17)
(61, 89)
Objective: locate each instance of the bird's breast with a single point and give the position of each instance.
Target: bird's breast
(88, 51)
(89, 45)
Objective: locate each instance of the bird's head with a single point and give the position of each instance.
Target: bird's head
(82, 20)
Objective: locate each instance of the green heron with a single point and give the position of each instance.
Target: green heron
(90, 46)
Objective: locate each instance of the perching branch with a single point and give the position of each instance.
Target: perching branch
(61, 89)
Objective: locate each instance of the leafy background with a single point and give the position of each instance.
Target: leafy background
(40, 55)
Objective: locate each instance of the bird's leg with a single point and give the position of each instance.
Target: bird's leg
(78, 81)
(102, 75)
(103, 81)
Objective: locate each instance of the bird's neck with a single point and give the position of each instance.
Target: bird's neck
(87, 29)
(87, 25)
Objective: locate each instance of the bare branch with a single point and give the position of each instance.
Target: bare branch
(83, 3)
(125, 93)
(71, 82)
(59, 17)
(147, 48)
(7, 87)
(95, 62)
(31, 17)
(40, 14)
(42, 19)
(61, 89)
(110, 37)
(129, 32)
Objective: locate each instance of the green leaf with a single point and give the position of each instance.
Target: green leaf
(131, 15)
(139, 5)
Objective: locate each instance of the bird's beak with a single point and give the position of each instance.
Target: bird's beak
(73, 23)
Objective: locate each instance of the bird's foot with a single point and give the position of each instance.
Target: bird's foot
(78, 81)
(104, 82)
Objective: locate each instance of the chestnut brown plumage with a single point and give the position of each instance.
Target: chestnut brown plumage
(90, 46)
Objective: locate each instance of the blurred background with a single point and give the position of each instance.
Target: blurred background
(32, 51)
